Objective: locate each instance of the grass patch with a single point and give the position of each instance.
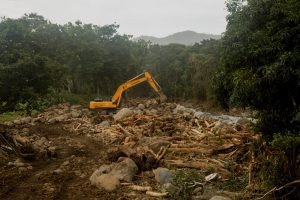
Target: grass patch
(185, 179)
(10, 116)
(235, 183)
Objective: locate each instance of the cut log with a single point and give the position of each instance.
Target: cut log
(198, 165)
(157, 194)
(127, 133)
(189, 150)
(188, 164)
(140, 188)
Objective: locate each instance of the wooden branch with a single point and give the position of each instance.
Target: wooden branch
(197, 122)
(124, 130)
(251, 163)
(140, 188)
(280, 188)
(157, 194)
(189, 150)
(207, 124)
(188, 164)
(162, 154)
(197, 165)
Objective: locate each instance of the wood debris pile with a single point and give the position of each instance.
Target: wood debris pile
(180, 140)
(157, 134)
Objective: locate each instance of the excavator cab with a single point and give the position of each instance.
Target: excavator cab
(116, 99)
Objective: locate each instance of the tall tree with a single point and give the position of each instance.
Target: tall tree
(261, 61)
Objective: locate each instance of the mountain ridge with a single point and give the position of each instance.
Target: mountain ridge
(184, 37)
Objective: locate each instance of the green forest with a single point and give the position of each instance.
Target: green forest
(39, 58)
(255, 65)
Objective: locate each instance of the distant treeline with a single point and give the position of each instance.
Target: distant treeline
(255, 64)
(38, 57)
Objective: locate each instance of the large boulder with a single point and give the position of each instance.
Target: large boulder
(163, 175)
(109, 176)
(165, 178)
(107, 181)
(123, 113)
(125, 169)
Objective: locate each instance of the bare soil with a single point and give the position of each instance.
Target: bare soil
(65, 173)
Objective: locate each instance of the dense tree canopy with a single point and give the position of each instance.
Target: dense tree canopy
(37, 57)
(255, 64)
(261, 58)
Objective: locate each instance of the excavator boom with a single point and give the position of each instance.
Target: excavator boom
(116, 99)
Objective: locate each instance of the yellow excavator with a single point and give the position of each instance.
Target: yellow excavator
(116, 99)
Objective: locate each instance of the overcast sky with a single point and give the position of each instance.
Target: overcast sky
(135, 17)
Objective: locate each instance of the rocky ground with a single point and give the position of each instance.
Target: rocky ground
(145, 151)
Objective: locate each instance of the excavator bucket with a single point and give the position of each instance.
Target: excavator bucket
(162, 97)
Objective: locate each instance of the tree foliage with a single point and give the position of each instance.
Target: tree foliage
(261, 61)
(38, 58)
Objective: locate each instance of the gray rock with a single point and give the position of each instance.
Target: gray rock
(82, 175)
(105, 123)
(150, 102)
(153, 111)
(75, 114)
(52, 120)
(26, 120)
(201, 115)
(77, 172)
(17, 122)
(141, 106)
(66, 163)
(187, 115)
(123, 113)
(243, 122)
(104, 169)
(138, 112)
(85, 111)
(17, 163)
(52, 151)
(125, 169)
(107, 181)
(41, 142)
(220, 198)
(163, 175)
(22, 169)
(58, 171)
(25, 131)
(61, 118)
(109, 176)
(179, 109)
(60, 112)
(9, 124)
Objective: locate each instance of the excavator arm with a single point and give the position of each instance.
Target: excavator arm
(116, 99)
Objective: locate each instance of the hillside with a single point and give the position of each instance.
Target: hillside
(185, 37)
